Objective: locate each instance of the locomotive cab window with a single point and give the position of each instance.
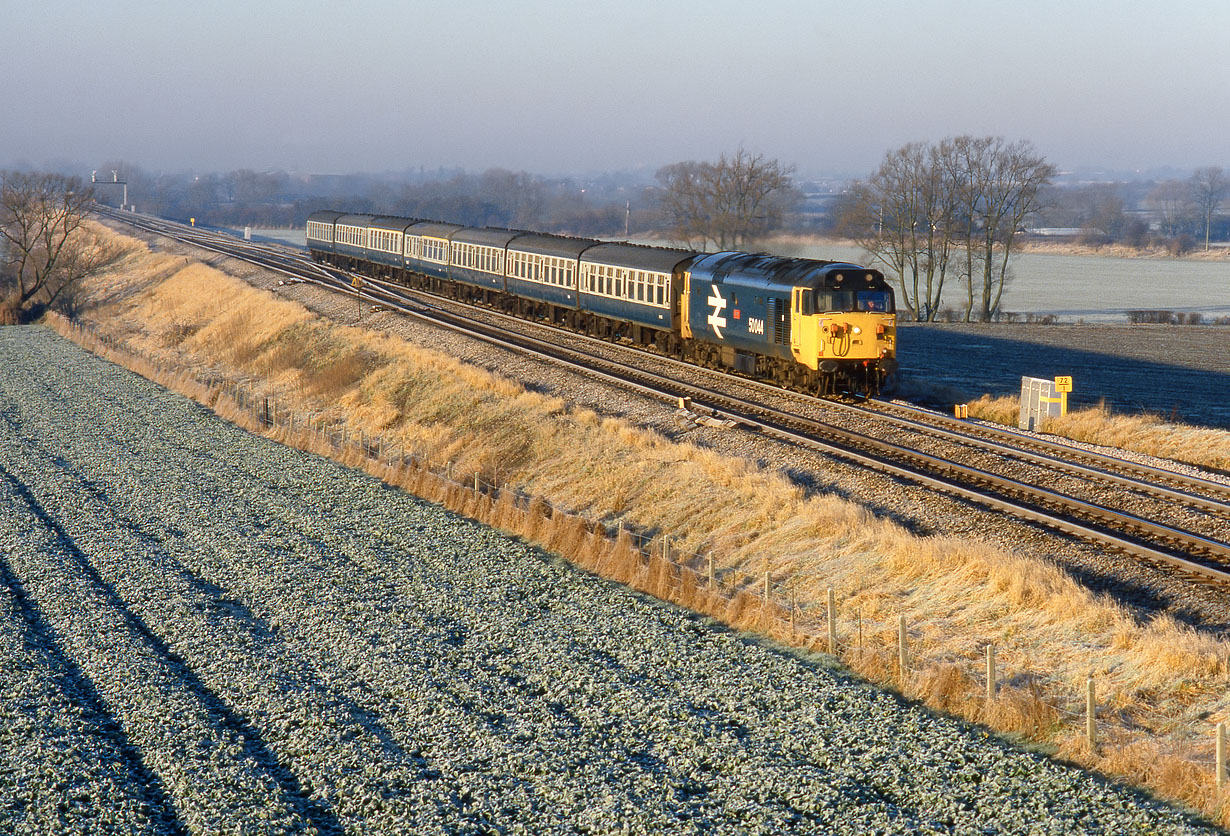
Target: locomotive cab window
(874, 300)
(835, 300)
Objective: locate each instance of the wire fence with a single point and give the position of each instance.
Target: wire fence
(653, 562)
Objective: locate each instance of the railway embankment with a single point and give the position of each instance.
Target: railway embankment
(1162, 684)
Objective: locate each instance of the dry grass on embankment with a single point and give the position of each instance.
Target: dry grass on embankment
(1149, 434)
(1161, 684)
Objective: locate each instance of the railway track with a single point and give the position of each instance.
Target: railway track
(1066, 507)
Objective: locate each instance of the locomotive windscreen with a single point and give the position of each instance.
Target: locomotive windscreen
(880, 301)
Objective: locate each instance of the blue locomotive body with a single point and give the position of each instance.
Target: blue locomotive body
(742, 301)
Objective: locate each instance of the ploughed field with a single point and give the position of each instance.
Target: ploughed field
(203, 631)
(1179, 372)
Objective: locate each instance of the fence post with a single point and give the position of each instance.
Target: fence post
(666, 548)
(1091, 728)
(832, 621)
(990, 672)
(476, 483)
(1221, 756)
(766, 589)
(903, 659)
(711, 570)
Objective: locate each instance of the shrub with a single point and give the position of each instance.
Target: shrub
(10, 311)
(1181, 244)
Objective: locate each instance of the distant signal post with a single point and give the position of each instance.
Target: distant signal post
(115, 180)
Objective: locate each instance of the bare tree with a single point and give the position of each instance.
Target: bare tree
(998, 184)
(903, 216)
(730, 203)
(45, 250)
(1171, 200)
(1209, 186)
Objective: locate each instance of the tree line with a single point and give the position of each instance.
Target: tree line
(1176, 214)
(277, 199)
(937, 213)
(941, 219)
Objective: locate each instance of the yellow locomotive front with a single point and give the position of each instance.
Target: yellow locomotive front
(844, 328)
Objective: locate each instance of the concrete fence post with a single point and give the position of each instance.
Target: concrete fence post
(711, 570)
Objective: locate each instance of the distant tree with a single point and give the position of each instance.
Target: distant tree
(954, 208)
(998, 184)
(740, 198)
(1171, 201)
(1136, 234)
(519, 198)
(1209, 186)
(1097, 209)
(45, 249)
(903, 217)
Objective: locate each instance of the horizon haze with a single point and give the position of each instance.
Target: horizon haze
(559, 88)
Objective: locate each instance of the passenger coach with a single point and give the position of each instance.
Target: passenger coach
(635, 286)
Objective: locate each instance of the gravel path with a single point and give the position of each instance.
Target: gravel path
(206, 632)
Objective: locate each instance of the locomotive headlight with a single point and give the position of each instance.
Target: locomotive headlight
(858, 330)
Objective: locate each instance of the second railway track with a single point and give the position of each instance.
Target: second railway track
(1136, 506)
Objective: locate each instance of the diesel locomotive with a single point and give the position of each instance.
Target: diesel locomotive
(816, 326)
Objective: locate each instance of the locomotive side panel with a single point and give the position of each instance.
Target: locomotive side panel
(738, 308)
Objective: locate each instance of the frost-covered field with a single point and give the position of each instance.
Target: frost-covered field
(1178, 372)
(202, 631)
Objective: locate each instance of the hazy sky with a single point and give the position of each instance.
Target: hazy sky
(564, 87)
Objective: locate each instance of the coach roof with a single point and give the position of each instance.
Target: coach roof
(560, 246)
(637, 257)
(433, 229)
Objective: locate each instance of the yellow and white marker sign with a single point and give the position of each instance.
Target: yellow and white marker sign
(1063, 385)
